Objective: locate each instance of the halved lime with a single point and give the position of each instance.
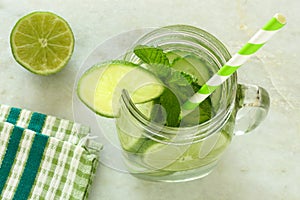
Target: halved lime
(42, 42)
(100, 87)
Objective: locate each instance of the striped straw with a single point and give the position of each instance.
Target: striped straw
(249, 49)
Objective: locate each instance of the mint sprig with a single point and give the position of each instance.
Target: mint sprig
(159, 64)
(179, 85)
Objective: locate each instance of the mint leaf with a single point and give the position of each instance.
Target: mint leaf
(189, 78)
(181, 78)
(161, 71)
(151, 55)
(169, 109)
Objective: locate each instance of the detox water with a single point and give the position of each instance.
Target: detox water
(150, 151)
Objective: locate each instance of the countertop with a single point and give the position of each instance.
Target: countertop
(260, 165)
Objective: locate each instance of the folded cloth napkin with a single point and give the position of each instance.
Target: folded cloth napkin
(44, 157)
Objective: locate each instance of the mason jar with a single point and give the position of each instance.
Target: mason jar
(157, 152)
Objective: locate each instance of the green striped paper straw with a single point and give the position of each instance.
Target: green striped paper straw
(249, 49)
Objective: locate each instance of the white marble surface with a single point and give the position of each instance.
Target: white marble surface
(262, 165)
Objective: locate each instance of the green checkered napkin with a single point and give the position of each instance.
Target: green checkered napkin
(44, 157)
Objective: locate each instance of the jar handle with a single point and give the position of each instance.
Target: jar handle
(253, 104)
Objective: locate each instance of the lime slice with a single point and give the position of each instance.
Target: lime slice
(100, 87)
(42, 42)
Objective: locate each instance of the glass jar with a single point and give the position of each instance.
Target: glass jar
(157, 152)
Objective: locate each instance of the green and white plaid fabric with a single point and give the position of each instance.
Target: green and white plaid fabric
(44, 157)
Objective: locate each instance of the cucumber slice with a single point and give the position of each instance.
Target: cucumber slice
(194, 156)
(175, 54)
(158, 173)
(100, 87)
(181, 158)
(193, 66)
(145, 108)
(159, 156)
(133, 140)
(189, 63)
(130, 143)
